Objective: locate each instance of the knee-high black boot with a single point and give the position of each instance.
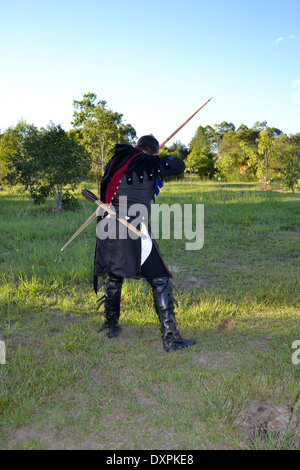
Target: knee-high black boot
(112, 300)
(164, 306)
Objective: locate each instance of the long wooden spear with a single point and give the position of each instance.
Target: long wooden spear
(185, 122)
(98, 202)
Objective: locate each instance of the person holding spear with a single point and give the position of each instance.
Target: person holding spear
(134, 174)
(138, 169)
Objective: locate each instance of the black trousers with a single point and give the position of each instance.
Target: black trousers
(153, 267)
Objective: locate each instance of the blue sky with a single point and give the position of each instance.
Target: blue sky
(155, 62)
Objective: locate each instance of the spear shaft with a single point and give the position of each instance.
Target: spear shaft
(185, 122)
(80, 229)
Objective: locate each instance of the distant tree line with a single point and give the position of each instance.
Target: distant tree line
(51, 161)
(260, 153)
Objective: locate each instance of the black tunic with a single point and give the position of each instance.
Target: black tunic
(114, 254)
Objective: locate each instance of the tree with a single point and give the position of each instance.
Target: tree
(262, 158)
(84, 109)
(205, 137)
(260, 126)
(247, 135)
(201, 162)
(232, 159)
(246, 153)
(263, 126)
(201, 159)
(11, 142)
(234, 150)
(211, 137)
(48, 161)
(289, 160)
(266, 152)
(100, 129)
(179, 150)
(220, 130)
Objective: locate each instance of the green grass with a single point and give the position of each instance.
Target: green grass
(65, 386)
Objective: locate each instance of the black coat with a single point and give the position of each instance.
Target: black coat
(114, 255)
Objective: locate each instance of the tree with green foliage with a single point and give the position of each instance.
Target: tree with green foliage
(220, 130)
(247, 154)
(11, 143)
(84, 109)
(263, 126)
(179, 150)
(201, 162)
(261, 153)
(48, 161)
(233, 155)
(289, 160)
(230, 157)
(204, 137)
(214, 135)
(266, 154)
(99, 130)
(201, 159)
(262, 160)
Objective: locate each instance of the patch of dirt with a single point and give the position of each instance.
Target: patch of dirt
(56, 324)
(97, 373)
(265, 421)
(48, 439)
(143, 400)
(196, 282)
(176, 269)
(58, 321)
(188, 280)
(239, 266)
(215, 360)
(289, 234)
(221, 328)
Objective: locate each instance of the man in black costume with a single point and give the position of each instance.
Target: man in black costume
(133, 175)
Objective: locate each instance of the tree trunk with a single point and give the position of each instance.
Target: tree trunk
(102, 159)
(100, 168)
(98, 183)
(60, 198)
(267, 172)
(57, 193)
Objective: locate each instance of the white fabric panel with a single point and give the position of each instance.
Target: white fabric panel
(146, 244)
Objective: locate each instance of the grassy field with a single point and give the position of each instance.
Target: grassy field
(66, 387)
